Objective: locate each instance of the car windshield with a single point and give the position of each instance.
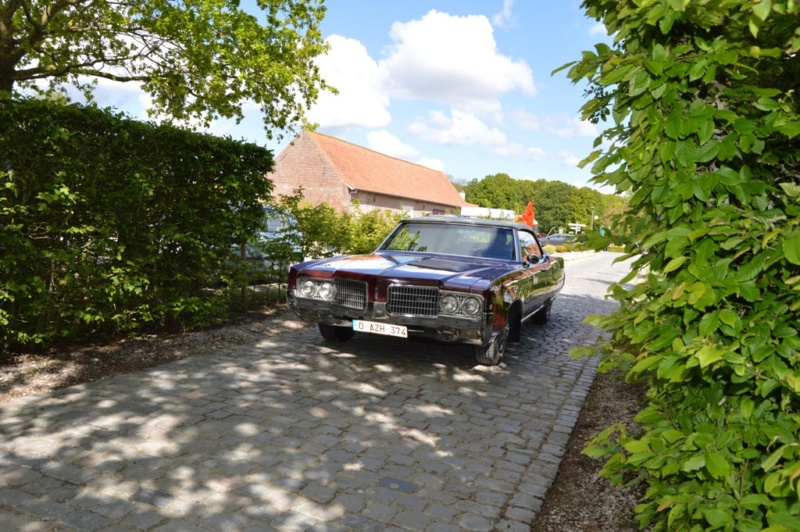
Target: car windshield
(453, 239)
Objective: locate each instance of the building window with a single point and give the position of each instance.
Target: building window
(407, 208)
(438, 211)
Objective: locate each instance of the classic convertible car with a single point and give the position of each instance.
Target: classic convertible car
(455, 279)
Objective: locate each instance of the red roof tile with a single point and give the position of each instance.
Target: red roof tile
(366, 170)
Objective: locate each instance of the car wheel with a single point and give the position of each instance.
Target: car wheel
(543, 315)
(515, 321)
(334, 333)
(492, 354)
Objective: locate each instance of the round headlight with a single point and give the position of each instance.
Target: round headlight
(308, 288)
(449, 305)
(471, 306)
(327, 290)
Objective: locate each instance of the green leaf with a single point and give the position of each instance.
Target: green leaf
(653, 240)
(697, 461)
(746, 407)
(791, 190)
(772, 460)
(707, 151)
(640, 83)
(754, 500)
(791, 129)
(697, 290)
(749, 271)
(718, 517)
(709, 324)
(708, 355)
(728, 317)
(614, 73)
(717, 465)
(762, 8)
(675, 263)
(637, 446)
(698, 69)
(705, 132)
(791, 249)
(767, 104)
(782, 521)
(665, 24)
(749, 291)
(673, 126)
(645, 364)
(686, 152)
(672, 435)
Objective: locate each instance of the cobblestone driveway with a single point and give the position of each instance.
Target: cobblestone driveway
(295, 434)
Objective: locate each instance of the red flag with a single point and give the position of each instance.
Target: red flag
(527, 218)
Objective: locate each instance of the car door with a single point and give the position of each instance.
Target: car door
(539, 281)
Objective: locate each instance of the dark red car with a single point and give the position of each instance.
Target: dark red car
(464, 280)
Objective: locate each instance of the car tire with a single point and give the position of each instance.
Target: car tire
(334, 333)
(515, 322)
(542, 316)
(492, 354)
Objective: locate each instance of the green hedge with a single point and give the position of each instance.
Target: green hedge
(109, 224)
(701, 106)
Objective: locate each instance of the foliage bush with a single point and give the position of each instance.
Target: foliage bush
(703, 102)
(326, 232)
(367, 230)
(108, 224)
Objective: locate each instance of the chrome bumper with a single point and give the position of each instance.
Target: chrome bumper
(476, 331)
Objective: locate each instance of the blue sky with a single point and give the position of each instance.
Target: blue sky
(462, 86)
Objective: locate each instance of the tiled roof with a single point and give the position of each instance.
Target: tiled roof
(369, 171)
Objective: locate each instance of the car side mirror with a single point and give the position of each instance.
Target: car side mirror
(533, 258)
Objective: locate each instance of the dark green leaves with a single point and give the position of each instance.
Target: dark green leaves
(709, 154)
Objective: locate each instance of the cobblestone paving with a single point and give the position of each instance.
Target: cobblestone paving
(296, 434)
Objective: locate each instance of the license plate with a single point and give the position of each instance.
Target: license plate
(387, 329)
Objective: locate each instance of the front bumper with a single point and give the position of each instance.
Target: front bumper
(477, 331)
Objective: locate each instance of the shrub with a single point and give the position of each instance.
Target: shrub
(702, 97)
(109, 225)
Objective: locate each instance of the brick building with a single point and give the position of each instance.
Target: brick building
(339, 173)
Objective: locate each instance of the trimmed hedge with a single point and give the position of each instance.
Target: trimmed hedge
(108, 224)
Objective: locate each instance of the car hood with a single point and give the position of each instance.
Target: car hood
(447, 271)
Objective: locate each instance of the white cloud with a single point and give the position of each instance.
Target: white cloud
(568, 158)
(504, 17)
(463, 129)
(453, 60)
(459, 128)
(360, 102)
(598, 29)
(563, 126)
(518, 151)
(527, 121)
(434, 164)
(384, 142)
(575, 127)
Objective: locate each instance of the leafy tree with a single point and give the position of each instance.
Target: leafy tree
(583, 203)
(368, 229)
(200, 59)
(702, 100)
(555, 203)
(493, 191)
(553, 206)
(612, 207)
(325, 232)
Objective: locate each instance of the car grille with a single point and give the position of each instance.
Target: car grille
(350, 294)
(413, 300)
